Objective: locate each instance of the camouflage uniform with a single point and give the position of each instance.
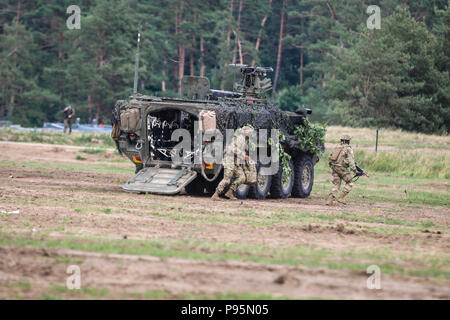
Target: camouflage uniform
(69, 112)
(235, 165)
(250, 172)
(340, 160)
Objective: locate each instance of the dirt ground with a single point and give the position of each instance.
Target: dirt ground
(74, 212)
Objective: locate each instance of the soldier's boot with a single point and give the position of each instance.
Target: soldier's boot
(330, 201)
(230, 195)
(341, 199)
(215, 196)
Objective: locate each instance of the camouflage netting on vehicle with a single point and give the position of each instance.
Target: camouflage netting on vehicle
(260, 115)
(233, 114)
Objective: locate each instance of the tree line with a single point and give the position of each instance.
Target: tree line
(323, 54)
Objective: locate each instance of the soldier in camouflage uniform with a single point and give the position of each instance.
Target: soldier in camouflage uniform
(340, 160)
(237, 164)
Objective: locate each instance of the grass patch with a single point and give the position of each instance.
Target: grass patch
(85, 167)
(400, 159)
(389, 137)
(203, 250)
(51, 137)
(22, 285)
(68, 260)
(93, 151)
(382, 188)
(407, 163)
(412, 197)
(59, 292)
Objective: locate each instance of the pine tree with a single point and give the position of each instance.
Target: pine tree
(327, 56)
(101, 58)
(389, 78)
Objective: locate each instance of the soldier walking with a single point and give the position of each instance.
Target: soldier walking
(340, 160)
(237, 164)
(68, 116)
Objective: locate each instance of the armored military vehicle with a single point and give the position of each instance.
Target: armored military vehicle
(148, 122)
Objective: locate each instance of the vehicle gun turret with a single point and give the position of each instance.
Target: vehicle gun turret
(254, 81)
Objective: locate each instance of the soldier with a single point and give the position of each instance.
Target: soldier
(340, 160)
(68, 115)
(237, 164)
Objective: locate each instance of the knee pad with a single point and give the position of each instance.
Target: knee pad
(348, 187)
(336, 180)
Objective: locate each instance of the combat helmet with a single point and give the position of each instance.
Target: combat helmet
(345, 137)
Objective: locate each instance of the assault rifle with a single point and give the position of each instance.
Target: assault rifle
(359, 173)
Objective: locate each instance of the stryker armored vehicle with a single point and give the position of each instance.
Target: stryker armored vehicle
(148, 122)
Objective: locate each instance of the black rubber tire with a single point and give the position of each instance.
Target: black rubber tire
(256, 192)
(197, 187)
(242, 191)
(302, 163)
(277, 191)
(210, 187)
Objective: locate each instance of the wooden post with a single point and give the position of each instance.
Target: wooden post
(376, 143)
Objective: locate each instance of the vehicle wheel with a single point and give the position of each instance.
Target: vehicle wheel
(197, 187)
(282, 183)
(210, 187)
(242, 191)
(303, 176)
(261, 188)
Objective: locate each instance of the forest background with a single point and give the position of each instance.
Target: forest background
(324, 55)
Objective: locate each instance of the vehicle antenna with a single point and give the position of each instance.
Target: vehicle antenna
(136, 65)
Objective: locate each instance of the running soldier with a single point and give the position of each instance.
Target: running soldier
(340, 160)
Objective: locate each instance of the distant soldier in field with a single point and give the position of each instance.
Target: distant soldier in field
(340, 160)
(237, 164)
(69, 112)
